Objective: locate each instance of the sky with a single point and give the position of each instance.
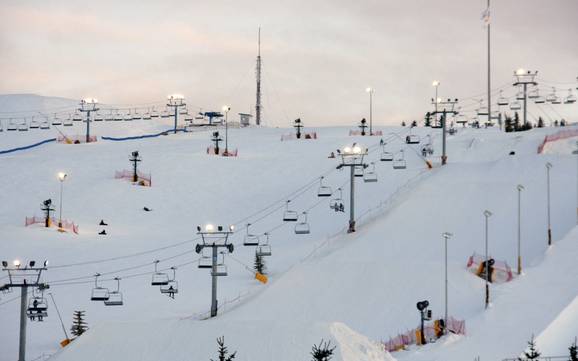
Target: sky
(319, 56)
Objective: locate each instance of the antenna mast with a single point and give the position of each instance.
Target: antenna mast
(258, 75)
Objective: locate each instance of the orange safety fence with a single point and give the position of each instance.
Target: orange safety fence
(213, 151)
(562, 134)
(358, 132)
(53, 222)
(292, 136)
(76, 139)
(501, 270)
(142, 179)
(431, 333)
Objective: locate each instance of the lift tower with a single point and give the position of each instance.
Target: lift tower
(258, 76)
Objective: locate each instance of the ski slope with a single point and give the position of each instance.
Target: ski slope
(354, 289)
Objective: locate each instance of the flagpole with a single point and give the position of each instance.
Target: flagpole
(489, 67)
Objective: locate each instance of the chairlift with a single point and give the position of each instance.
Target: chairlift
(45, 125)
(159, 278)
(165, 114)
(118, 117)
(184, 111)
(115, 297)
(23, 127)
(323, 191)
(289, 215)
(515, 105)
(540, 100)
(68, 122)
(188, 118)
(399, 162)
(128, 117)
(11, 126)
(520, 95)
(98, 117)
(571, 98)
(370, 176)
(264, 249)
(76, 117)
(412, 139)
(154, 113)
(99, 293)
(358, 171)
(386, 156)
(250, 239)
(136, 115)
(551, 98)
(34, 124)
(146, 116)
(171, 288)
(534, 93)
(302, 227)
(483, 109)
(56, 120)
(337, 203)
(37, 307)
(502, 100)
(206, 260)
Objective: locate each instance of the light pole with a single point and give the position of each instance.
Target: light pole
(487, 214)
(436, 84)
(352, 157)
(88, 105)
(548, 166)
(175, 101)
(226, 109)
(577, 184)
(370, 90)
(520, 189)
(446, 235)
(61, 177)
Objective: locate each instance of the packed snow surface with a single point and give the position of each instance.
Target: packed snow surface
(352, 289)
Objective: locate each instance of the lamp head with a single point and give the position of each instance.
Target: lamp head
(435, 83)
(62, 176)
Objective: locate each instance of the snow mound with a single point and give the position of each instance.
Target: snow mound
(355, 347)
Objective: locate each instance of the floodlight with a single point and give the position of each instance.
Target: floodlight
(32, 263)
(435, 83)
(209, 228)
(62, 176)
(16, 263)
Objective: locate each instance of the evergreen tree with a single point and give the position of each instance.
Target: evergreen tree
(223, 351)
(516, 122)
(414, 123)
(555, 123)
(259, 264)
(427, 122)
(403, 124)
(532, 353)
(323, 352)
(79, 326)
(540, 122)
(562, 123)
(573, 352)
(509, 126)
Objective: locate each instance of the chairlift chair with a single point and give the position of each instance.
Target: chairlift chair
(540, 100)
(45, 125)
(34, 124)
(358, 171)
(221, 271)
(118, 117)
(206, 261)
(264, 249)
(289, 215)
(250, 239)
(37, 308)
(76, 117)
(515, 105)
(386, 156)
(188, 118)
(520, 95)
(323, 191)
(98, 117)
(302, 227)
(56, 120)
(146, 116)
(534, 93)
(115, 297)
(337, 202)
(571, 98)
(483, 109)
(11, 126)
(502, 100)
(68, 122)
(184, 111)
(165, 114)
(128, 117)
(159, 278)
(172, 287)
(99, 293)
(412, 139)
(370, 176)
(136, 115)
(23, 127)
(400, 163)
(154, 113)
(551, 98)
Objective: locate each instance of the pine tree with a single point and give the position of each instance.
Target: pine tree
(573, 352)
(540, 122)
(414, 123)
(223, 351)
(259, 264)
(516, 122)
(508, 125)
(403, 124)
(323, 352)
(562, 123)
(427, 122)
(79, 326)
(532, 353)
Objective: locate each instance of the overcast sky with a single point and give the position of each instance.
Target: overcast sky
(318, 55)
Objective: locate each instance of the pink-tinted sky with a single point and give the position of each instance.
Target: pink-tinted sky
(318, 56)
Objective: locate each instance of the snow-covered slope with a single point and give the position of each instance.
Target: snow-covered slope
(354, 289)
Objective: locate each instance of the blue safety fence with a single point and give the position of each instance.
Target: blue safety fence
(28, 146)
(166, 132)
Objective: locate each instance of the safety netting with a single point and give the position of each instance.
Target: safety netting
(75, 139)
(562, 134)
(142, 178)
(431, 332)
(358, 132)
(500, 271)
(229, 153)
(52, 222)
(293, 136)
